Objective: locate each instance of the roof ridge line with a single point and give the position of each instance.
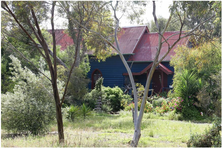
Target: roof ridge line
(139, 39)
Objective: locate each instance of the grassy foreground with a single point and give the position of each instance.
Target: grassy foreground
(102, 130)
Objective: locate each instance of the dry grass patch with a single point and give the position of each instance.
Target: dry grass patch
(113, 131)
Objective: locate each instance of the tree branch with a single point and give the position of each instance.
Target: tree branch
(54, 41)
(12, 14)
(26, 59)
(181, 37)
(155, 18)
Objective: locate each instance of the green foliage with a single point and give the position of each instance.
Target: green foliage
(140, 92)
(115, 96)
(113, 99)
(190, 112)
(78, 83)
(186, 84)
(102, 23)
(211, 137)
(202, 62)
(6, 83)
(193, 16)
(129, 107)
(86, 111)
(164, 107)
(16, 37)
(210, 95)
(30, 108)
(204, 59)
(73, 112)
(174, 24)
(176, 104)
(77, 87)
(148, 107)
(174, 116)
(99, 83)
(158, 102)
(92, 97)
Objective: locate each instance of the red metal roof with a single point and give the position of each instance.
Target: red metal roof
(62, 38)
(165, 69)
(147, 47)
(132, 40)
(129, 37)
(160, 66)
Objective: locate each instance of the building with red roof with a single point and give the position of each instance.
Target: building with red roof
(139, 47)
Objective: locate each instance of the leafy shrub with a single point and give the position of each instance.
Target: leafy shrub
(114, 96)
(113, 99)
(30, 108)
(148, 107)
(86, 111)
(187, 84)
(163, 94)
(158, 109)
(129, 107)
(190, 112)
(164, 107)
(211, 137)
(174, 116)
(73, 112)
(158, 102)
(77, 87)
(176, 104)
(210, 95)
(192, 64)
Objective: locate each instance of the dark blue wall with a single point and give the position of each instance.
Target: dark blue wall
(112, 71)
(139, 66)
(169, 77)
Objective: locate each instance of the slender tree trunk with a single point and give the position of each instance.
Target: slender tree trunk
(59, 122)
(53, 72)
(137, 132)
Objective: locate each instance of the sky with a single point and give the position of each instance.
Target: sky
(162, 9)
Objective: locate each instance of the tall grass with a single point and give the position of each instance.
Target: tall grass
(103, 130)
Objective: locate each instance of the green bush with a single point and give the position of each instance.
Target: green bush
(190, 112)
(112, 98)
(163, 108)
(176, 104)
(148, 107)
(158, 102)
(187, 85)
(86, 111)
(73, 112)
(211, 138)
(30, 108)
(210, 95)
(129, 107)
(174, 116)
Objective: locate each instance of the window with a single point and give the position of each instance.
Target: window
(96, 74)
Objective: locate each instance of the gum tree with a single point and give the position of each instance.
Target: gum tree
(27, 16)
(180, 35)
